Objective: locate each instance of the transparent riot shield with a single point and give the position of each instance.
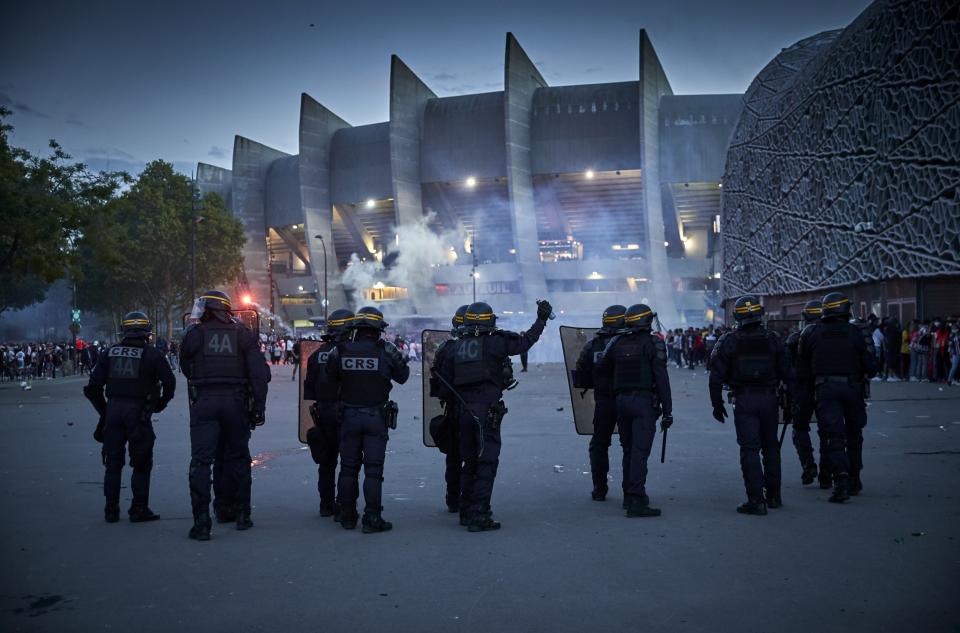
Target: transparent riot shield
(430, 340)
(573, 339)
(304, 421)
(249, 318)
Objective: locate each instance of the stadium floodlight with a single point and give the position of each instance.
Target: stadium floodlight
(471, 182)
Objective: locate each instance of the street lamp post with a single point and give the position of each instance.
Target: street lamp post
(325, 302)
(195, 221)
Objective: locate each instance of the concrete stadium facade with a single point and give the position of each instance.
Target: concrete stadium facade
(844, 169)
(587, 195)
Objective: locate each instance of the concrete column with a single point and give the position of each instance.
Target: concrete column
(653, 85)
(408, 98)
(317, 127)
(250, 163)
(521, 79)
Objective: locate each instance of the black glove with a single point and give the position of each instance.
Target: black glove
(160, 406)
(258, 418)
(98, 432)
(719, 412)
(666, 421)
(544, 310)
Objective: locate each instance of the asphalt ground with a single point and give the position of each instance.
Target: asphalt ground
(887, 561)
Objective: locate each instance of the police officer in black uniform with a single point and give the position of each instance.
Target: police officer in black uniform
(451, 425)
(475, 369)
(228, 378)
(752, 361)
(836, 361)
(323, 438)
(587, 376)
(138, 383)
(801, 418)
(363, 368)
(635, 364)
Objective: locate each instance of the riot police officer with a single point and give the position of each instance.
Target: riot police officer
(138, 383)
(801, 418)
(635, 364)
(751, 360)
(836, 360)
(450, 427)
(363, 368)
(228, 379)
(475, 369)
(323, 438)
(587, 376)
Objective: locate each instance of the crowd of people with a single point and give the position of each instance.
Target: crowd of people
(27, 361)
(691, 347)
(921, 351)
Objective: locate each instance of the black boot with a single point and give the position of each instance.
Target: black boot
(774, 500)
(329, 508)
(111, 512)
(755, 506)
(599, 493)
(841, 489)
(826, 480)
(348, 518)
(453, 504)
(373, 522)
(465, 516)
(483, 522)
(224, 513)
(809, 473)
(243, 517)
(855, 485)
(142, 514)
(639, 506)
(201, 526)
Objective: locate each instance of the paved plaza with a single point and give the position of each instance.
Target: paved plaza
(887, 561)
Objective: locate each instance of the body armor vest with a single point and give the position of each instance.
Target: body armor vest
(835, 353)
(472, 365)
(364, 373)
(323, 389)
(602, 385)
(753, 359)
(632, 364)
(219, 360)
(126, 374)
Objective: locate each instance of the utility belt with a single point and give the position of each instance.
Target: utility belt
(218, 388)
(320, 405)
(389, 410)
(496, 413)
(757, 388)
(846, 380)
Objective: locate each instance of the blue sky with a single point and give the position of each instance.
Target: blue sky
(121, 83)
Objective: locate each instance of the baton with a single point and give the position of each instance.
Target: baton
(663, 447)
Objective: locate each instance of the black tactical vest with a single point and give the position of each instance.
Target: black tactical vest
(323, 389)
(126, 373)
(219, 360)
(835, 353)
(753, 360)
(364, 373)
(602, 385)
(632, 363)
(472, 365)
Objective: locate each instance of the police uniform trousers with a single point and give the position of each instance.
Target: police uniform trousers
(325, 447)
(842, 414)
(126, 427)
(804, 446)
(363, 441)
(638, 425)
(223, 494)
(454, 461)
(604, 421)
(756, 417)
(219, 422)
(480, 458)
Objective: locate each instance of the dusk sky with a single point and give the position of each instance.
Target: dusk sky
(121, 83)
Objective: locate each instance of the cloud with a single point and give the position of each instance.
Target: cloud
(444, 77)
(217, 152)
(19, 106)
(110, 153)
(77, 123)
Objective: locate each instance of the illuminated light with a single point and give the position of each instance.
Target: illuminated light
(589, 174)
(471, 182)
(716, 275)
(720, 184)
(633, 247)
(379, 285)
(396, 239)
(371, 203)
(513, 251)
(476, 274)
(616, 247)
(666, 243)
(595, 275)
(246, 300)
(684, 239)
(300, 288)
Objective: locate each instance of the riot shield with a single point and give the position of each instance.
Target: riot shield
(304, 421)
(430, 341)
(573, 340)
(249, 318)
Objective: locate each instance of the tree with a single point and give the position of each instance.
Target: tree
(138, 257)
(45, 203)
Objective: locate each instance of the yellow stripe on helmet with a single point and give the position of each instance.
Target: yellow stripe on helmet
(367, 315)
(220, 299)
(486, 316)
(136, 322)
(337, 321)
(750, 308)
(836, 304)
(637, 317)
(612, 319)
(813, 310)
